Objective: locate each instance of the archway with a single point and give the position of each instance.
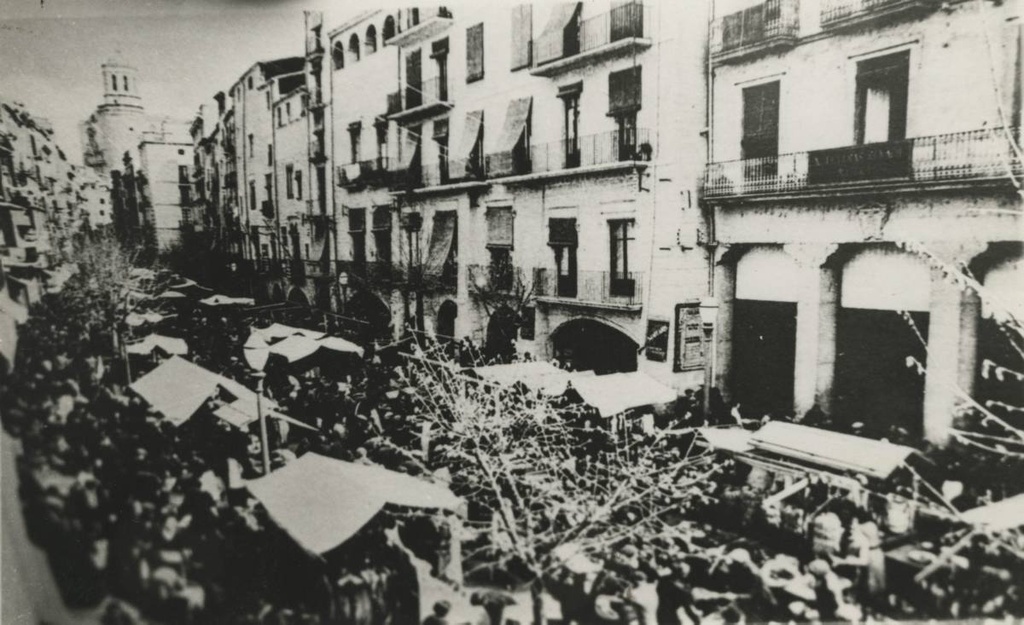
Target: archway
(589, 345)
(446, 314)
(501, 334)
(874, 340)
(764, 332)
(297, 296)
(369, 308)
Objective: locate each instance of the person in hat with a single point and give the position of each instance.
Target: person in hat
(440, 614)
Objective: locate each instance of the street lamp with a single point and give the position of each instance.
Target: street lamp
(256, 353)
(708, 315)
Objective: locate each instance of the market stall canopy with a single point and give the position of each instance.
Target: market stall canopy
(225, 300)
(322, 502)
(171, 295)
(999, 516)
(280, 331)
(843, 452)
(734, 439)
(618, 392)
(135, 319)
(295, 348)
(169, 345)
(243, 412)
(338, 344)
(538, 376)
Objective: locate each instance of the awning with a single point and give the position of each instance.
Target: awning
(224, 300)
(538, 376)
(999, 516)
(553, 33)
(617, 392)
(280, 331)
(176, 389)
(734, 439)
(471, 128)
(171, 295)
(837, 451)
(169, 345)
(135, 319)
(515, 123)
(351, 171)
(242, 412)
(295, 348)
(338, 344)
(322, 502)
(441, 239)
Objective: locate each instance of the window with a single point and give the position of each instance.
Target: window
(562, 238)
(474, 53)
(371, 39)
(124, 83)
(270, 154)
(439, 52)
(288, 110)
(571, 101)
(881, 107)
(289, 178)
(269, 103)
(252, 145)
(499, 245)
(413, 79)
(113, 82)
(621, 233)
(441, 141)
(268, 186)
(389, 28)
(522, 33)
(353, 47)
(382, 233)
(357, 231)
(250, 82)
(279, 118)
(626, 136)
(381, 128)
(252, 195)
(338, 55)
(761, 121)
(355, 130)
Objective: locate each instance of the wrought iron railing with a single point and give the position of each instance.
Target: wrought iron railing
(416, 94)
(770, 21)
(597, 149)
(590, 287)
(497, 278)
(836, 11)
(975, 154)
(622, 22)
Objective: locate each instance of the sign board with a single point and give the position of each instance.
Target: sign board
(689, 352)
(657, 340)
(860, 163)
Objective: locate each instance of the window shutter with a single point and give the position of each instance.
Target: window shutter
(624, 89)
(499, 226)
(439, 48)
(475, 52)
(522, 35)
(761, 120)
(356, 219)
(382, 218)
(562, 232)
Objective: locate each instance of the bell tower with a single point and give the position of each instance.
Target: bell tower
(120, 84)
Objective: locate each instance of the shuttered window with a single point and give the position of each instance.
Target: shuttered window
(475, 52)
(499, 226)
(761, 120)
(522, 33)
(562, 232)
(624, 90)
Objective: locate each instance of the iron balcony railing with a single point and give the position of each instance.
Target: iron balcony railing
(975, 154)
(836, 12)
(413, 95)
(590, 287)
(497, 278)
(370, 172)
(622, 22)
(764, 24)
(589, 150)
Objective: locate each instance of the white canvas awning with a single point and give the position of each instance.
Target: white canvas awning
(843, 452)
(541, 376)
(280, 331)
(322, 502)
(617, 392)
(224, 300)
(338, 344)
(171, 295)
(734, 439)
(169, 345)
(135, 319)
(242, 412)
(295, 348)
(998, 516)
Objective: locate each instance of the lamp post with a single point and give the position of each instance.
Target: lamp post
(256, 353)
(708, 315)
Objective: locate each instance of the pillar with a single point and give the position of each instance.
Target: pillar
(815, 320)
(970, 315)
(942, 367)
(725, 287)
(828, 311)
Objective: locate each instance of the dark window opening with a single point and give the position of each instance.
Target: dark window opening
(881, 107)
(621, 234)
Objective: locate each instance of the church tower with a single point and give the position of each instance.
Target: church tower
(120, 85)
(115, 127)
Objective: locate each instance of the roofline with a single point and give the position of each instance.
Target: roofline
(358, 19)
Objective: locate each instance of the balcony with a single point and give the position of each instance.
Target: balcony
(406, 178)
(431, 26)
(372, 274)
(840, 14)
(970, 156)
(419, 100)
(314, 47)
(619, 32)
(316, 150)
(316, 98)
(602, 150)
(595, 289)
(368, 173)
(496, 279)
(767, 27)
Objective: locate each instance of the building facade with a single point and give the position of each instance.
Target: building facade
(861, 153)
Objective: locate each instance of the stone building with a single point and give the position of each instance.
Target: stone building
(861, 152)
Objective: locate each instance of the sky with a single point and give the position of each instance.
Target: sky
(185, 51)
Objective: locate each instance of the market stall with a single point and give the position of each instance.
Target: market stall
(538, 376)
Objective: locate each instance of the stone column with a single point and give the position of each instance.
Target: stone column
(942, 375)
(725, 292)
(815, 319)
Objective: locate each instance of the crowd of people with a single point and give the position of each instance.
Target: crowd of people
(130, 506)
